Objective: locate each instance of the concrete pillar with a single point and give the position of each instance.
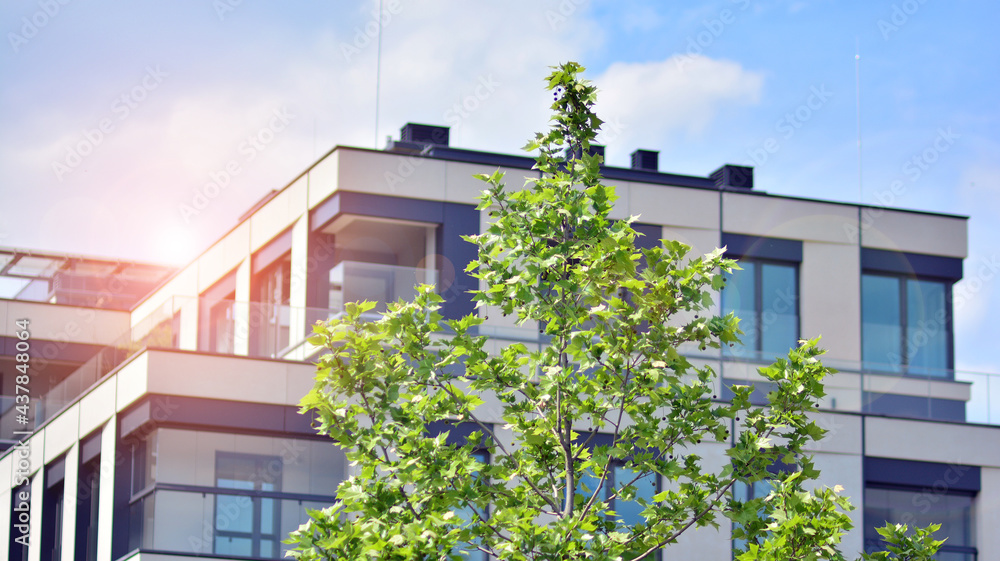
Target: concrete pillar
(241, 313)
(71, 484)
(188, 308)
(298, 329)
(37, 500)
(106, 489)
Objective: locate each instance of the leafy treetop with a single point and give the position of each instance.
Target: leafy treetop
(614, 320)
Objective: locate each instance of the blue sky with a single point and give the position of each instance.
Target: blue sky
(179, 87)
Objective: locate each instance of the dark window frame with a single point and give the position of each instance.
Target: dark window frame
(904, 351)
(762, 250)
(88, 509)
(17, 551)
(256, 534)
(458, 433)
(776, 469)
(598, 439)
(756, 350)
(930, 479)
(53, 510)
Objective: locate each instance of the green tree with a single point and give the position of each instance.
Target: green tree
(614, 319)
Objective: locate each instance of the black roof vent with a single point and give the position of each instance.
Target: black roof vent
(648, 160)
(595, 150)
(424, 134)
(733, 177)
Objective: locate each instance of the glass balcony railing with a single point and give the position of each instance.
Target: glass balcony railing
(353, 281)
(230, 523)
(258, 329)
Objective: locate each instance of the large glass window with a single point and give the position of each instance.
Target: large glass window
(458, 434)
(87, 501)
(247, 525)
(920, 508)
(52, 512)
(629, 512)
(215, 493)
(272, 313)
(744, 492)
(20, 517)
(906, 325)
(764, 295)
(222, 325)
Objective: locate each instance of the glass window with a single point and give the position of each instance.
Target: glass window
(222, 320)
(764, 295)
(920, 508)
(87, 500)
(20, 513)
(906, 325)
(52, 518)
(628, 511)
(744, 492)
(271, 315)
(247, 525)
(467, 514)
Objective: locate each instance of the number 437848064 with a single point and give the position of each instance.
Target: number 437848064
(23, 359)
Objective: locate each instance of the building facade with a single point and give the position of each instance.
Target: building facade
(166, 428)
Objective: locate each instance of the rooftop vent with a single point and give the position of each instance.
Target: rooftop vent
(648, 160)
(595, 150)
(733, 177)
(424, 134)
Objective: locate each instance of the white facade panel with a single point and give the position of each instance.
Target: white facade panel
(323, 178)
(777, 217)
(392, 174)
(949, 443)
(674, 206)
(912, 232)
(830, 298)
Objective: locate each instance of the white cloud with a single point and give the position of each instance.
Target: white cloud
(652, 101)
(478, 68)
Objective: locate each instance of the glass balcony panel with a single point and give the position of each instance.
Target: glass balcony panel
(354, 281)
(196, 523)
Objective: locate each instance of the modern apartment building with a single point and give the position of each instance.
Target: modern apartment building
(161, 422)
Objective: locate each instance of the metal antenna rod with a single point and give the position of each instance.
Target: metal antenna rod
(857, 93)
(378, 71)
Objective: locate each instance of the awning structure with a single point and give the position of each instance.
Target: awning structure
(40, 276)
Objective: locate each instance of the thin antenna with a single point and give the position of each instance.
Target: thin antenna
(378, 70)
(314, 138)
(857, 94)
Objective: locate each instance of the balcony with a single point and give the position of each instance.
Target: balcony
(353, 281)
(269, 331)
(190, 520)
